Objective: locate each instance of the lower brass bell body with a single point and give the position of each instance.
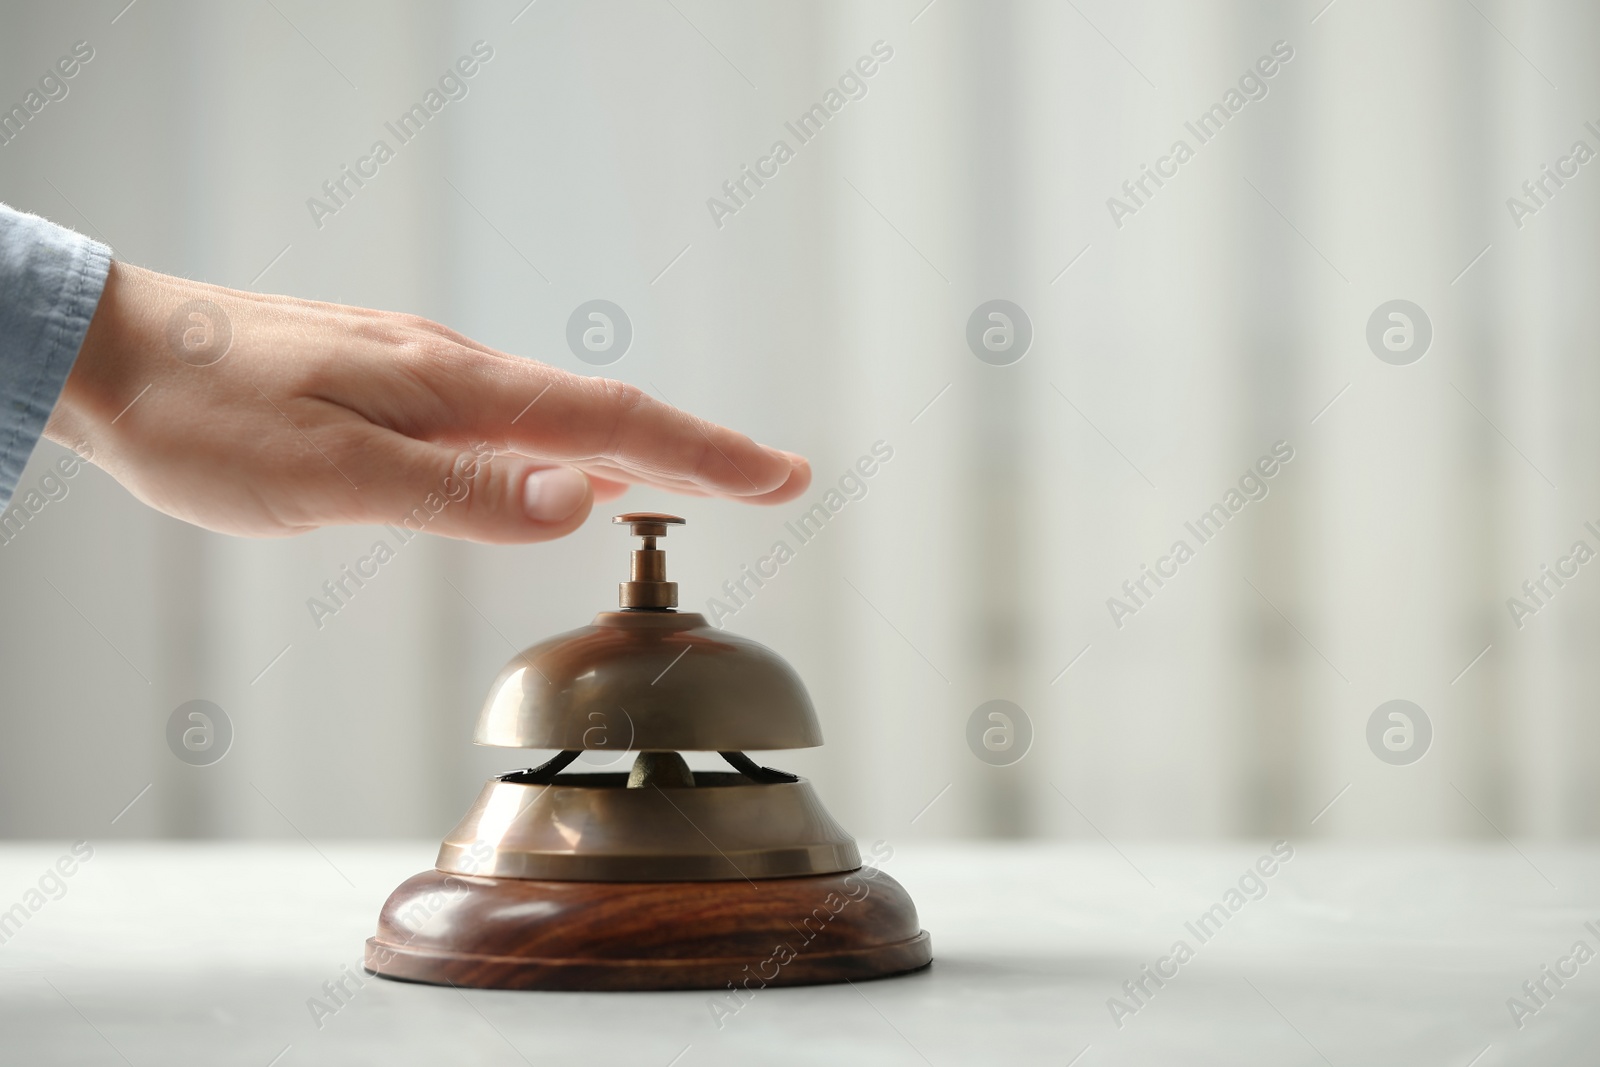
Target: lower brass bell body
(660, 877)
(594, 827)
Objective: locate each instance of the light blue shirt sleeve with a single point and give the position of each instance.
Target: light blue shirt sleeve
(50, 283)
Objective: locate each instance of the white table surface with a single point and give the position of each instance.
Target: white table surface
(1401, 954)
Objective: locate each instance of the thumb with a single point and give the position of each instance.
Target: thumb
(475, 496)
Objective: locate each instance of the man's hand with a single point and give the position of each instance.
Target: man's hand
(282, 415)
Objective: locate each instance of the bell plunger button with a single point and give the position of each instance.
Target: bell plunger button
(648, 588)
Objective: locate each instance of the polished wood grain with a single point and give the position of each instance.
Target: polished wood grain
(523, 933)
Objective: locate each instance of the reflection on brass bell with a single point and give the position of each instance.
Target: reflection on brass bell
(662, 877)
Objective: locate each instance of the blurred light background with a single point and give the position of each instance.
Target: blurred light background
(1227, 313)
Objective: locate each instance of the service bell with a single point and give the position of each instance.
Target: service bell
(661, 878)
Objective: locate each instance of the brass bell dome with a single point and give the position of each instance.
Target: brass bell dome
(648, 678)
(652, 680)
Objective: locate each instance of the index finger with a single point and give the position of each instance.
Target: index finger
(551, 414)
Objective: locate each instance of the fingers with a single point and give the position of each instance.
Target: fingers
(799, 478)
(501, 499)
(552, 415)
(798, 481)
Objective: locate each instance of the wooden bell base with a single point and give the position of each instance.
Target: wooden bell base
(523, 933)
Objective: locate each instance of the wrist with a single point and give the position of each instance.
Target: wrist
(97, 388)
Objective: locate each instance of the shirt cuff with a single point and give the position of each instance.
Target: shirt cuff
(50, 284)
